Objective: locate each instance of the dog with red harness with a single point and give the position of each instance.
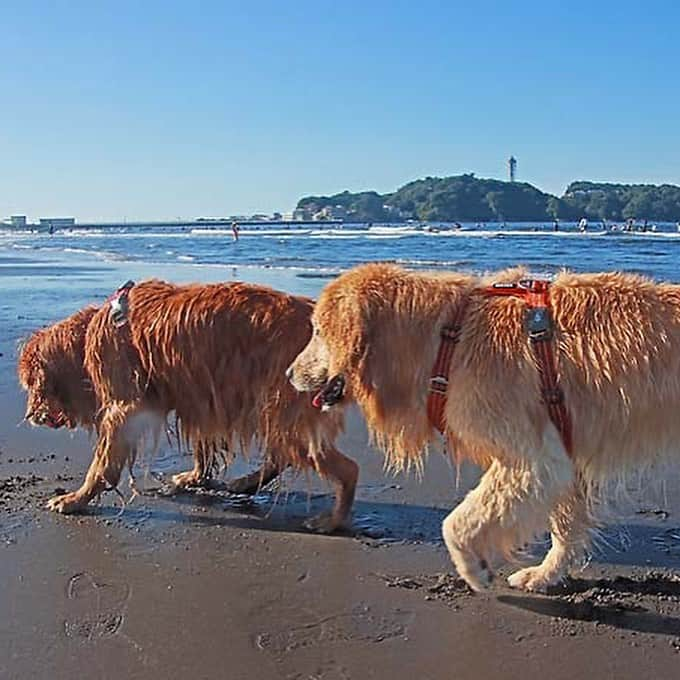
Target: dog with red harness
(552, 388)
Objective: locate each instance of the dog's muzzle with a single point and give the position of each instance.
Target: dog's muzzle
(332, 393)
(51, 419)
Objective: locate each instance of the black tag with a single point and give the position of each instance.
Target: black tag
(539, 323)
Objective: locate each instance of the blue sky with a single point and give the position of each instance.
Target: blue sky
(166, 109)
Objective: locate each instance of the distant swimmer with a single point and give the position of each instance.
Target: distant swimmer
(583, 225)
(234, 230)
(556, 225)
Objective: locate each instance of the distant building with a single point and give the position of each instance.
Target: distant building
(57, 222)
(18, 221)
(393, 212)
(512, 167)
(330, 212)
(297, 215)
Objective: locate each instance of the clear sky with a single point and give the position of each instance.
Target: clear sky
(165, 109)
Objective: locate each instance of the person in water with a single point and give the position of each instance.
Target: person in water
(583, 225)
(556, 225)
(234, 230)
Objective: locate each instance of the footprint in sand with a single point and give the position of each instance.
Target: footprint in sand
(358, 625)
(98, 608)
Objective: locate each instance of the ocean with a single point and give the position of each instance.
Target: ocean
(45, 277)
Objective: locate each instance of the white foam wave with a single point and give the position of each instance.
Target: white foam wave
(339, 232)
(393, 230)
(199, 231)
(392, 236)
(334, 237)
(115, 233)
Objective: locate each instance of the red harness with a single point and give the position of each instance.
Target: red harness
(540, 329)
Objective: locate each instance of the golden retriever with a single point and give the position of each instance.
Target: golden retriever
(215, 355)
(617, 349)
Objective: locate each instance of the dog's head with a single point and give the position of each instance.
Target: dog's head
(330, 365)
(51, 370)
(374, 341)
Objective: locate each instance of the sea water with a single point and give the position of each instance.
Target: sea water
(44, 277)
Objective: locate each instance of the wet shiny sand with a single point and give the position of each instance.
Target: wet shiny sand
(206, 585)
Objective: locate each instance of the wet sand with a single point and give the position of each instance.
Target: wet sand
(211, 586)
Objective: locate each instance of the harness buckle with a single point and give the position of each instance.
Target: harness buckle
(438, 384)
(539, 324)
(119, 304)
(450, 332)
(552, 396)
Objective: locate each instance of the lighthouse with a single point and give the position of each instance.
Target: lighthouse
(512, 167)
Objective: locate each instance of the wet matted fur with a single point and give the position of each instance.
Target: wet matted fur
(51, 369)
(214, 355)
(618, 358)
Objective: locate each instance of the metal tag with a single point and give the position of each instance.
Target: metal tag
(539, 323)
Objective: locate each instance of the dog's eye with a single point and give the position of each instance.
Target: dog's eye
(53, 390)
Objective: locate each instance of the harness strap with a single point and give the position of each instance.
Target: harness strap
(540, 329)
(439, 378)
(551, 392)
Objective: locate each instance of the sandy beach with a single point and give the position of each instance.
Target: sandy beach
(211, 586)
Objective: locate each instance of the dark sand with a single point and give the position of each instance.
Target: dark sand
(206, 586)
(203, 586)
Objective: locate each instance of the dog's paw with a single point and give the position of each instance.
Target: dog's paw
(532, 579)
(67, 503)
(244, 486)
(185, 480)
(474, 570)
(479, 576)
(325, 523)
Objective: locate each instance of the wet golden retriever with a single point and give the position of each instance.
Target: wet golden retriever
(215, 355)
(617, 348)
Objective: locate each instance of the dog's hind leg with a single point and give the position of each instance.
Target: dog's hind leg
(343, 472)
(508, 507)
(121, 427)
(201, 472)
(250, 484)
(570, 532)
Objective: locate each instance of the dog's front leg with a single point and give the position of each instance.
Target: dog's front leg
(508, 508)
(115, 449)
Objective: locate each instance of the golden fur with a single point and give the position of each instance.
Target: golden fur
(618, 358)
(215, 355)
(51, 369)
